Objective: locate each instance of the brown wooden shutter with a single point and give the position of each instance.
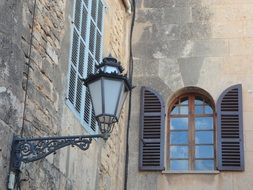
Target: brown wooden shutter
(151, 130)
(230, 130)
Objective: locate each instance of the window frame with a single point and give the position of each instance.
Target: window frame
(85, 40)
(191, 132)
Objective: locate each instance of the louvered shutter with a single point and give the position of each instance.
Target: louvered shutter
(151, 130)
(86, 52)
(230, 129)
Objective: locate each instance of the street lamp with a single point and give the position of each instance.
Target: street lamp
(108, 88)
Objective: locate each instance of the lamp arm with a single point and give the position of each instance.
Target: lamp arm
(32, 149)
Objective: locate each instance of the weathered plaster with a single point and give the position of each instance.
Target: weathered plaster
(201, 43)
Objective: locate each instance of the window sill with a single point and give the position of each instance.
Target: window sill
(191, 172)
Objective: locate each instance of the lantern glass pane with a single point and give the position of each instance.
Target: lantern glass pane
(111, 69)
(122, 99)
(111, 93)
(96, 96)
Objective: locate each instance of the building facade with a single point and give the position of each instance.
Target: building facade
(191, 116)
(191, 109)
(46, 46)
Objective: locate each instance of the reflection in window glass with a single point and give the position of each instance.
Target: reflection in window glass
(204, 137)
(204, 123)
(204, 164)
(179, 123)
(208, 109)
(199, 109)
(198, 100)
(204, 152)
(175, 110)
(179, 152)
(179, 137)
(184, 101)
(184, 110)
(179, 165)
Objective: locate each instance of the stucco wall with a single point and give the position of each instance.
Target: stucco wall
(202, 43)
(46, 112)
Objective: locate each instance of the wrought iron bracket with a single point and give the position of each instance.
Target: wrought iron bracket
(32, 149)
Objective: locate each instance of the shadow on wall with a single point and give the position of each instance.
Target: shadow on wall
(173, 36)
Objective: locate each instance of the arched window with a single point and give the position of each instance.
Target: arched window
(191, 134)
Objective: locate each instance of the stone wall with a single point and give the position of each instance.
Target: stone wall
(202, 43)
(45, 110)
(11, 74)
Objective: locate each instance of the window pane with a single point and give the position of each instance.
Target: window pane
(204, 152)
(199, 110)
(179, 165)
(178, 123)
(179, 137)
(198, 100)
(179, 152)
(208, 109)
(184, 110)
(175, 110)
(204, 123)
(184, 101)
(204, 137)
(204, 165)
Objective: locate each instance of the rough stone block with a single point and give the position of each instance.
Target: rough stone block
(11, 109)
(150, 15)
(190, 76)
(52, 53)
(143, 67)
(209, 48)
(169, 48)
(144, 32)
(238, 65)
(166, 31)
(229, 29)
(247, 121)
(173, 80)
(248, 29)
(165, 3)
(177, 15)
(241, 46)
(242, 181)
(248, 144)
(201, 14)
(6, 135)
(193, 31)
(247, 96)
(210, 66)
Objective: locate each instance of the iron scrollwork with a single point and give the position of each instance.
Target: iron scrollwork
(32, 149)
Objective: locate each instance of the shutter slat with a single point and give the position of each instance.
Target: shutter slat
(151, 131)
(230, 130)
